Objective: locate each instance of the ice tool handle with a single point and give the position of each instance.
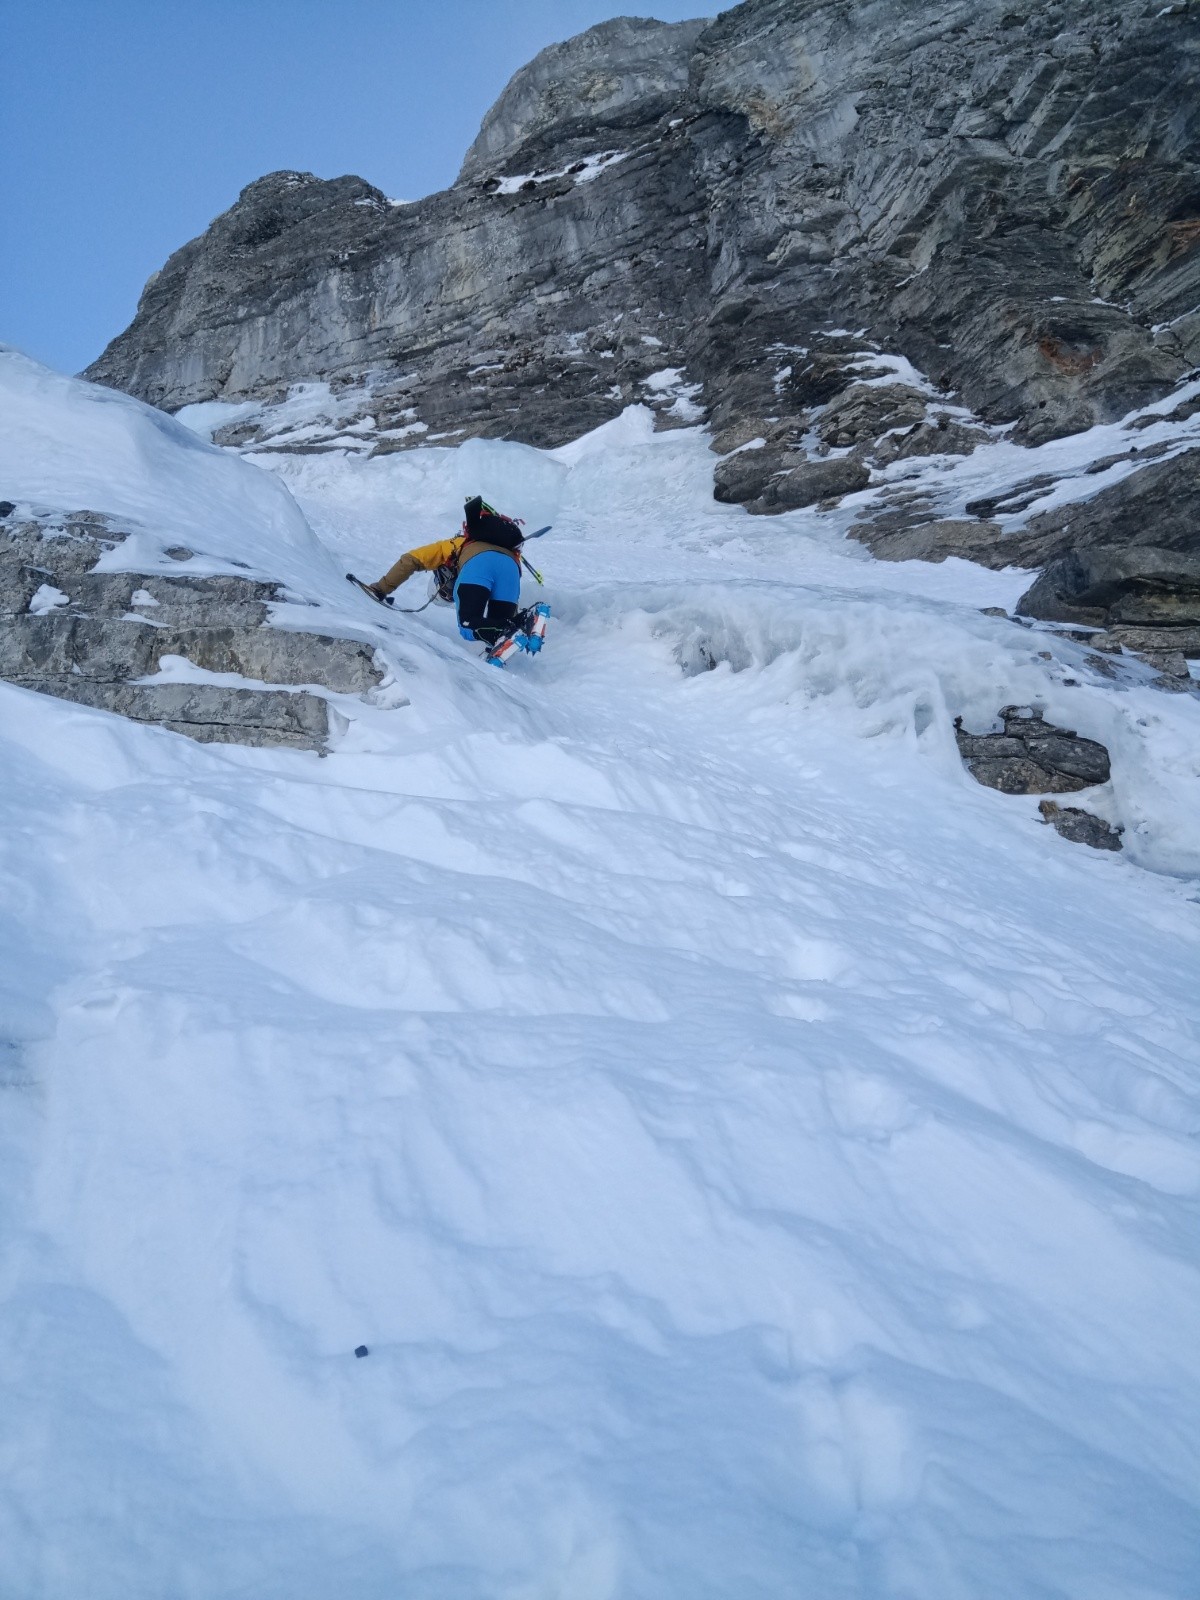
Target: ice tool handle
(529, 567)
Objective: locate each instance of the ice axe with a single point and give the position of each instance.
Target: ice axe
(529, 567)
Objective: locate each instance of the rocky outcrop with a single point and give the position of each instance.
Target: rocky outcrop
(1144, 600)
(1154, 506)
(99, 638)
(1081, 827)
(1032, 756)
(1002, 191)
(623, 75)
(763, 480)
(209, 713)
(1142, 590)
(917, 538)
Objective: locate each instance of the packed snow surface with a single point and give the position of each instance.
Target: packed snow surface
(758, 1161)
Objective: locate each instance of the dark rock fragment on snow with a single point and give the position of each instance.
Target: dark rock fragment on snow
(1032, 756)
(1009, 502)
(1080, 826)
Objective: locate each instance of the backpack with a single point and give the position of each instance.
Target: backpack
(490, 526)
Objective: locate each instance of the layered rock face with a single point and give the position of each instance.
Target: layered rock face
(1003, 191)
(101, 638)
(1031, 756)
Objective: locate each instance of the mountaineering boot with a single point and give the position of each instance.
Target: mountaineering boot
(504, 649)
(531, 625)
(527, 633)
(534, 629)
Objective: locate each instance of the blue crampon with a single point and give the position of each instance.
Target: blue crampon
(528, 635)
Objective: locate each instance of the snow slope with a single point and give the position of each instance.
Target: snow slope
(77, 446)
(760, 1161)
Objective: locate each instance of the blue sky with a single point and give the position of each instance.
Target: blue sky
(127, 125)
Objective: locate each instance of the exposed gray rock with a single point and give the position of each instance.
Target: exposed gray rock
(112, 649)
(1001, 190)
(1171, 663)
(1135, 586)
(1184, 641)
(276, 655)
(1156, 506)
(931, 541)
(1177, 413)
(227, 601)
(775, 480)
(1157, 501)
(102, 630)
(68, 545)
(939, 435)
(1016, 498)
(743, 476)
(810, 482)
(618, 76)
(1081, 827)
(210, 713)
(864, 411)
(1032, 756)
(739, 434)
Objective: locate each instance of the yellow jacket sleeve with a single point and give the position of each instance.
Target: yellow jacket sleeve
(425, 558)
(431, 556)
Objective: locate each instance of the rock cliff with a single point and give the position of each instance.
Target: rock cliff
(101, 638)
(740, 219)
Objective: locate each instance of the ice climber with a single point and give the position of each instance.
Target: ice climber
(481, 568)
